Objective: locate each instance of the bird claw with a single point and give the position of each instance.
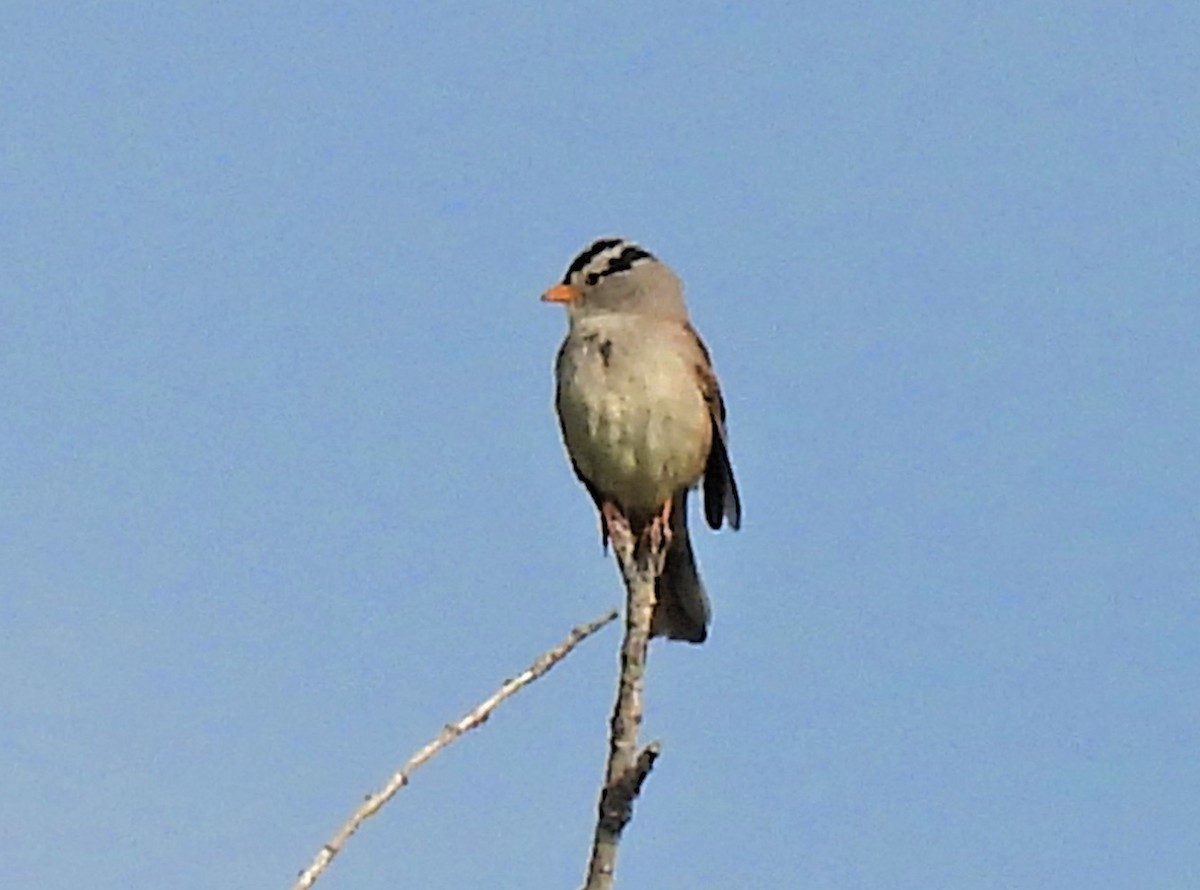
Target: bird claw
(657, 534)
(613, 523)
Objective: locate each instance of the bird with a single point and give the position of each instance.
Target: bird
(642, 417)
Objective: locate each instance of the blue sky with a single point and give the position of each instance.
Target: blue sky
(283, 492)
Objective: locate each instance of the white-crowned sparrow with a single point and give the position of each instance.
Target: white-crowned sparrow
(641, 413)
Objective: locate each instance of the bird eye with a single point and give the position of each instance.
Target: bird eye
(593, 277)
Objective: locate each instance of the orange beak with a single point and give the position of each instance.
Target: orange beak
(561, 293)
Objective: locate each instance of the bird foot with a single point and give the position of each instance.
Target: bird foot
(657, 534)
(613, 523)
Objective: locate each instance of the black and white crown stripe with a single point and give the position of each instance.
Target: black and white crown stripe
(604, 257)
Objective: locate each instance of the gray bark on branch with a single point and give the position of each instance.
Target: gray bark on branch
(627, 768)
(375, 801)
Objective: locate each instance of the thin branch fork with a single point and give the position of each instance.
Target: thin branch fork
(627, 768)
(375, 801)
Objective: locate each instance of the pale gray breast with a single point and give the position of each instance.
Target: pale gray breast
(632, 415)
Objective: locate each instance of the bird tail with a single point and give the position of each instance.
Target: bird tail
(681, 609)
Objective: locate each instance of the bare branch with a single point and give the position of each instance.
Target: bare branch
(375, 801)
(626, 769)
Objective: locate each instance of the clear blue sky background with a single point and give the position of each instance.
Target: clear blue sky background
(281, 491)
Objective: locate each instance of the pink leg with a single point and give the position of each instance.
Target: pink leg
(612, 519)
(658, 532)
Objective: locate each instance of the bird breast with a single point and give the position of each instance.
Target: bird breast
(631, 409)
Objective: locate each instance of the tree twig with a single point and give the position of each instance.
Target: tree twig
(375, 801)
(627, 768)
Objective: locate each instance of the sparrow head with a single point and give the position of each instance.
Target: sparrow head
(617, 275)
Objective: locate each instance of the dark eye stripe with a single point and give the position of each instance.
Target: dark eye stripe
(622, 262)
(589, 253)
(625, 260)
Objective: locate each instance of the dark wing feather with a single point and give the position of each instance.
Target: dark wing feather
(721, 499)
